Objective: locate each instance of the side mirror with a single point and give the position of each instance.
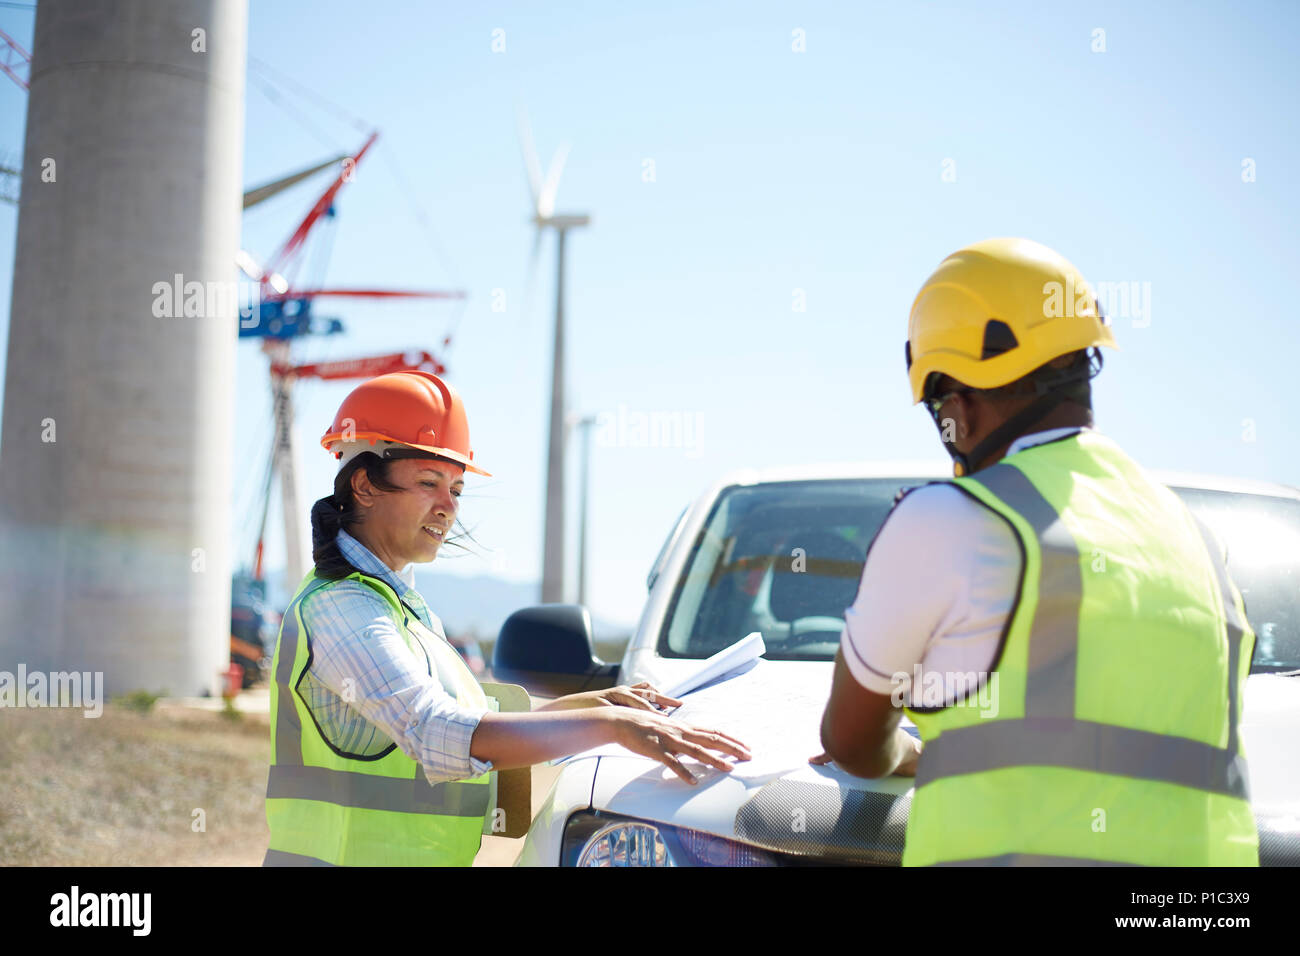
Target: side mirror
(549, 650)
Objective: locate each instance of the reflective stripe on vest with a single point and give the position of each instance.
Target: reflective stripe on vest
(1031, 859)
(371, 792)
(1062, 773)
(283, 858)
(314, 795)
(1082, 745)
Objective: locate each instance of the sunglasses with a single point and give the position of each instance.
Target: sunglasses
(937, 402)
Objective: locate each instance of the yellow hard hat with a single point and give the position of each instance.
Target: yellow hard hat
(998, 309)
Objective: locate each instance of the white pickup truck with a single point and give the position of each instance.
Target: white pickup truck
(725, 571)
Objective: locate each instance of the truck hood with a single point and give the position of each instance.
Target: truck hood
(780, 802)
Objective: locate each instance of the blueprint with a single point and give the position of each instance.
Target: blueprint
(773, 707)
(731, 659)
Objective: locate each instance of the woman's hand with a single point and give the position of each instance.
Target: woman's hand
(642, 696)
(663, 739)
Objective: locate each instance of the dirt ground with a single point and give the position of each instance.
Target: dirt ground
(174, 787)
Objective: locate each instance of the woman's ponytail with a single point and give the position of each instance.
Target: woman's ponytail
(326, 521)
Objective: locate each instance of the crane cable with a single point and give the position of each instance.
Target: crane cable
(325, 104)
(277, 82)
(273, 93)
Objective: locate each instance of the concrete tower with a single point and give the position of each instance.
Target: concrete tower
(115, 463)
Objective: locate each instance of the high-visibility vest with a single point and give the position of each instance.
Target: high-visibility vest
(326, 807)
(1106, 731)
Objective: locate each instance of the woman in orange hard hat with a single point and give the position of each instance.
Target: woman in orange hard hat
(383, 742)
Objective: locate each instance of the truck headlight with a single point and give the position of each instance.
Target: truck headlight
(603, 839)
(625, 844)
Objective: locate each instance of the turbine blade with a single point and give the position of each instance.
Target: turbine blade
(531, 164)
(546, 202)
(267, 190)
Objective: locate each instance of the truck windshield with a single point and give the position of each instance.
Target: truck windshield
(785, 559)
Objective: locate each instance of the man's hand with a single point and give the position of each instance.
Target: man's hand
(911, 754)
(860, 729)
(906, 767)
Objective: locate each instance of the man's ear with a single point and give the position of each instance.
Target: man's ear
(968, 419)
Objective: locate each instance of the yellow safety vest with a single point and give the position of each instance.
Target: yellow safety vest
(325, 807)
(1108, 728)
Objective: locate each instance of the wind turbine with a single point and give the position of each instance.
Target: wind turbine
(543, 192)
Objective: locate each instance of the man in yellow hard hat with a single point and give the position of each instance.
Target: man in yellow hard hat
(1060, 628)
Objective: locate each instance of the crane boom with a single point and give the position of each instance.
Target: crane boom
(295, 241)
(368, 367)
(14, 58)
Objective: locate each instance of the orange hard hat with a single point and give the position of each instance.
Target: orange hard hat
(411, 408)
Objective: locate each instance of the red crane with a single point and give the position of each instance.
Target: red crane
(14, 58)
(364, 367)
(284, 314)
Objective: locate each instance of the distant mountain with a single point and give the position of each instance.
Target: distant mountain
(478, 604)
(474, 605)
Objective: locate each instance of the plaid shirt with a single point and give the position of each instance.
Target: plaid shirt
(365, 687)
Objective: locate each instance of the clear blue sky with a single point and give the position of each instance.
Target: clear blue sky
(776, 171)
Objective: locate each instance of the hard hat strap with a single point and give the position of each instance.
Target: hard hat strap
(1004, 434)
(1052, 388)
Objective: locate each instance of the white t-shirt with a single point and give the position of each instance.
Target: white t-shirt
(936, 591)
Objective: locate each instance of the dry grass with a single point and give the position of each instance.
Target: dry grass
(121, 789)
